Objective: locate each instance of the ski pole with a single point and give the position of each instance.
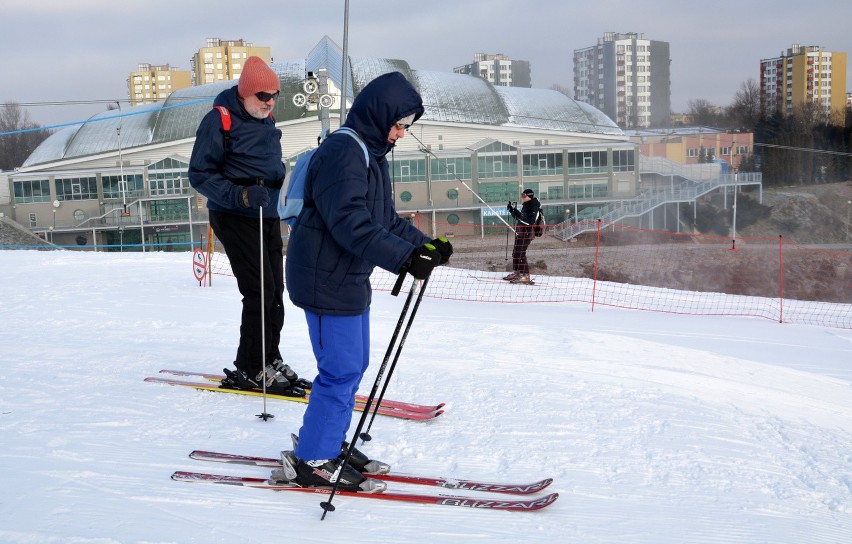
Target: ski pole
(326, 505)
(507, 245)
(264, 415)
(365, 436)
(514, 204)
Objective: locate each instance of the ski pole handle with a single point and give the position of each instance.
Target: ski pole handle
(398, 285)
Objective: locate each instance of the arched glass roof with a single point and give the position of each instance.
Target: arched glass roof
(179, 115)
(552, 110)
(453, 98)
(460, 98)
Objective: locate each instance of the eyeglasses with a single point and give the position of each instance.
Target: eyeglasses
(266, 97)
(402, 126)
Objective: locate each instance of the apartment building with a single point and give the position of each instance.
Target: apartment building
(805, 74)
(152, 83)
(627, 77)
(499, 70)
(222, 60)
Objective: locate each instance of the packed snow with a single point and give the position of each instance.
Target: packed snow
(656, 428)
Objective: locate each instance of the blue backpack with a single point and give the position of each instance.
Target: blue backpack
(290, 205)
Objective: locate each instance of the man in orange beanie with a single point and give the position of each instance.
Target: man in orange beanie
(258, 79)
(240, 172)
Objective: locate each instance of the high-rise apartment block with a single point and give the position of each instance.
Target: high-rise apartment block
(223, 60)
(498, 70)
(154, 83)
(627, 77)
(804, 74)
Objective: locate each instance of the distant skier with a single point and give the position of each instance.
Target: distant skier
(525, 219)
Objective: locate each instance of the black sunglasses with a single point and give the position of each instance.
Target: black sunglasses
(266, 97)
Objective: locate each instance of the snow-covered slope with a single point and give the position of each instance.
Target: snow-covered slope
(656, 428)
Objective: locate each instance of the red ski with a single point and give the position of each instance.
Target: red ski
(447, 483)
(524, 505)
(386, 403)
(209, 386)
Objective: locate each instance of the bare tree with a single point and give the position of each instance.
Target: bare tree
(745, 110)
(17, 137)
(702, 112)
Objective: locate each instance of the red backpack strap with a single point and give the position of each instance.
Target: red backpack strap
(225, 114)
(226, 117)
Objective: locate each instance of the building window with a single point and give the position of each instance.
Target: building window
(409, 170)
(623, 160)
(33, 220)
(31, 190)
(589, 189)
(166, 185)
(553, 192)
(453, 219)
(168, 210)
(405, 196)
(498, 192)
(168, 177)
(451, 169)
(497, 166)
(133, 186)
(543, 164)
(76, 189)
(587, 162)
(452, 194)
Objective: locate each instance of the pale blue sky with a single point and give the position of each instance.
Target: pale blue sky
(93, 45)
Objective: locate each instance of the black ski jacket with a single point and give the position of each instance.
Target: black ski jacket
(525, 216)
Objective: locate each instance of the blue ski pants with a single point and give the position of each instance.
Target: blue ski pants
(341, 346)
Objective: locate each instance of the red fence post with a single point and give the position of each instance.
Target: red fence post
(595, 278)
(780, 278)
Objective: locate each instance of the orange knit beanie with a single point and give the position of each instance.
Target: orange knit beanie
(257, 76)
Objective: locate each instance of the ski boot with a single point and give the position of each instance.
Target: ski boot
(323, 473)
(523, 279)
(238, 379)
(281, 371)
(358, 460)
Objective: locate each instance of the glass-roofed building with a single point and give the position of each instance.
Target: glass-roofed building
(119, 179)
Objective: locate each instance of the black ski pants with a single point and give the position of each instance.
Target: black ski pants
(240, 237)
(523, 238)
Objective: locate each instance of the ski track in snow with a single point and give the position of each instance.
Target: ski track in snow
(655, 428)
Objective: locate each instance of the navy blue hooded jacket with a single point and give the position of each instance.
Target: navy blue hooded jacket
(219, 171)
(350, 225)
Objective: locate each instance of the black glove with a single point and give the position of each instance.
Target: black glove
(255, 196)
(422, 261)
(444, 247)
(510, 207)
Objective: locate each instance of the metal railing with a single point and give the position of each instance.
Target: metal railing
(130, 215)
(688, 190)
